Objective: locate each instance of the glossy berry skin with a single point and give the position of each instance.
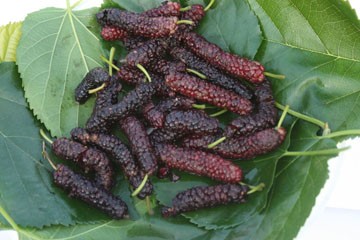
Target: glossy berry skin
(137, 24)
(147, 53)
(139, 143)
(264, 115)
(199, 162)
(113, 146)
(248, 147)
(81, 188)
(111, 33)
(230, 63)
(129, 104)
(195, 14)
(201, 90)
(89, 159)
(212, 74)
(93, 79)
(155, 114)
(205, 197)
(190, 122)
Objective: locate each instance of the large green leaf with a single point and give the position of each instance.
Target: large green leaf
(55, 52)
(9, 39)
(26, 188)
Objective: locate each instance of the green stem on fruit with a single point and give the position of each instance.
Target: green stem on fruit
(283, 115)
(326, 130)
(342, 133)
(185, 9)
(199, 74)
(109, 63)
(111, 59)
(330, 151)
(46, 156)
(9, 219)
(199, 106)
(276, 76)
(302, 116)
(43, 134)
(209, 5)
(139, 66)
(217, 142)
(218, 113)
(253, 189)
(94, 90)
(148, 206)
(189, 22)
(140, 187)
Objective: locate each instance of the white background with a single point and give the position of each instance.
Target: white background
(337, 211)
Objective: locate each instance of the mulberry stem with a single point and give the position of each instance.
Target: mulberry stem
(109, 63)
(253, 189)
(189, 22)
(330, 151)
(111, 59)
(217, 142)
(283, 115)
(276, 76)
(148, 206)
(141, 67)
(302, 116)
(185, 9)
(43, 134)
(209, 5)
(46, 156)
(91, 91)
(200, 75)
(140, 187)
(218, 113)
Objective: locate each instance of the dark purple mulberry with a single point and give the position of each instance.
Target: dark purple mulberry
(139, 143)
(264, 115)
(248, 147)
(201, 141)
(191, 122)
(196, 88)
(164, 136)
(195, 14)
(199, 162)
(230, 63)
(109, 95)
(89, 159)
(119, 152)
(155, 114)
(205, 197)
(148, 53)
(212, 74)
(163, 67)
(166, 9)
(129, 104)
(81, 188)
(111, 33)
(93, 79)
(137, 24)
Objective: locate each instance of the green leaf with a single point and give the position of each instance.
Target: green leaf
(218, 26)
(9, 39)
(55, 52)
(24, 195)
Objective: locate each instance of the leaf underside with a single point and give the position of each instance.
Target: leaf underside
(9, 38)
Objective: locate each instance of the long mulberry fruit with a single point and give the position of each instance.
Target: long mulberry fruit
(196, 88)
(199, 162)
(81, 188)
(120, 153)
(205, 197)
(137, 24)
(212, 74)
(139, 143)
(230, 63)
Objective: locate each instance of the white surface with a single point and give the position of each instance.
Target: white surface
(337, 212)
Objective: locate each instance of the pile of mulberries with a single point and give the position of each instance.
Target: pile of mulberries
(173, 79)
